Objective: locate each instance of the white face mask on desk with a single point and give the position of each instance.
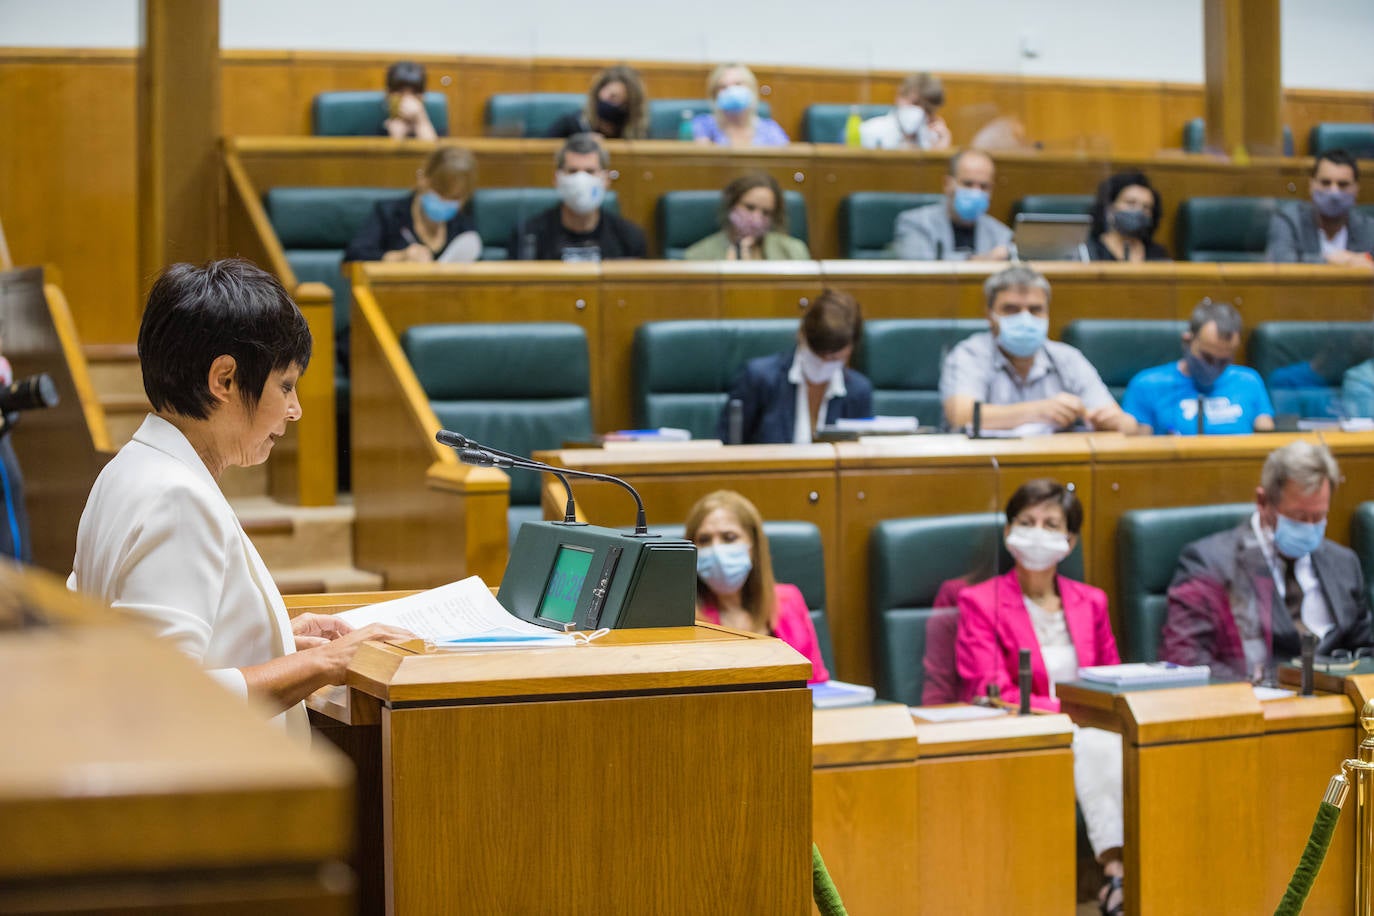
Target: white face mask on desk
(1036, 548)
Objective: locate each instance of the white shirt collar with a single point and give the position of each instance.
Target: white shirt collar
(155, 432)
(795, 376)
(801, 426)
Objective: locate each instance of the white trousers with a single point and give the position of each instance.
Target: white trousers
(1097, 782)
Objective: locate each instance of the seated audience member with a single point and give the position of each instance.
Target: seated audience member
(735, 120)
(405, 103)
(1065, 625)
(1329, 229)
(753, 225)
(1125, 216)
(617, 108)
(1357, 390)
(1023, 380)
(578, 229)
(1241, 599)
(735, 586)
(420, 226)
(787, 395)
(958, 229)
(1165, 399)
(914, 121)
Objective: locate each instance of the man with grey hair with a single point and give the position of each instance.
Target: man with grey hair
(1204, 392)
(958, 229)
(1021, 380)
(578, 229)
(1242, 599)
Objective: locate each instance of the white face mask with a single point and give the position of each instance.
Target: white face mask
(910, 118)
(581, 192)
(1037, 549)
(817, 371)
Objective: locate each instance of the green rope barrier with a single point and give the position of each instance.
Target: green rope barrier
(1301, 884)
(823, 889)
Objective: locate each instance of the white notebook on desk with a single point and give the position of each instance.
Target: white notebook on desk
(1146, 674)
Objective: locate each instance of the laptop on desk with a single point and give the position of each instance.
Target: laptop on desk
(1051, 236)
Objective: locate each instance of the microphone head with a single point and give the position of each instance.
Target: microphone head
(452, 439)
(481, 458)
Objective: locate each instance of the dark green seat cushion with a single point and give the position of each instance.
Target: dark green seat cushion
(1054, 204)
(868, 220)
(1362, 542)
(825, 123)
(360, 114)
(684, 218)
(1118, 349)
(492, 383)
(497, 211)
(665, 115)
(1195, 137)
(1302, 362)
(1223, 228)
(1148, 542)
(903, 357)
(1356, 139)
(528, 114)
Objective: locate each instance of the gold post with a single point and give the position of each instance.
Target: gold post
(1361, 772)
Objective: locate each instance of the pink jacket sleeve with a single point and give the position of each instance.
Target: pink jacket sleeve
(794, 627)
(980, 655)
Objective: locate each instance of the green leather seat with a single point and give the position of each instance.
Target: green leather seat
(1054, 204)
(909, 558)
(868, 220)
(1223, 228)
(684, 218)
(528, 114)
(360, 114)
(1320, 351)
(665, 115)
(903, 357)
(1148, 542)
(1120, 349)
(1195, 137)
(497, 211)
(492, 383)
(1356, 139)
(826, 123)
(683, 369)
(1362, 541)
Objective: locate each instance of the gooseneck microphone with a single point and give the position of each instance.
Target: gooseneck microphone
(460, 441)
(1023, 677)
(1309, 653)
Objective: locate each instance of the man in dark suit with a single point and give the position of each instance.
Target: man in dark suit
(1329, 230)
(1241, 599)
(784, 397)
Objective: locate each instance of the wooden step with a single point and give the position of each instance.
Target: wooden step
(307, 549)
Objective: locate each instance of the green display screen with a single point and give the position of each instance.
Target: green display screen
(570, 567)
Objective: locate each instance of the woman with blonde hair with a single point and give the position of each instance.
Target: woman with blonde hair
(421, 225)
(735, 585)
(617, 108)
(734, 119)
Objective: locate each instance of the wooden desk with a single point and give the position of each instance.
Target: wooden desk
(608, 778)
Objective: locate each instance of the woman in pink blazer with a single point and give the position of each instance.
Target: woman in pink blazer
(735, 584)
(1065, 626)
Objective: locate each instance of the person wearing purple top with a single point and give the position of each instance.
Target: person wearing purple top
(734, 120)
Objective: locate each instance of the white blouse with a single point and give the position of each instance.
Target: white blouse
(1056, 646)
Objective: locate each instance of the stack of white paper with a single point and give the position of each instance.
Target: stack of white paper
(1145, 674)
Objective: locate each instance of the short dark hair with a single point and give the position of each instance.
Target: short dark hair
(1109, 190)
(832, 322)
(746, 183)
(1224, 314)
(196, 314)
(579, 144)
(1045, 490)
(1337, 157)
(405, 74)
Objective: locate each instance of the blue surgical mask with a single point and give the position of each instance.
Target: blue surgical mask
(724, 567)
(733, 99)
(437, 208)
(1021, 334)
(1204, 372)
(970, 203)
(1295, 539)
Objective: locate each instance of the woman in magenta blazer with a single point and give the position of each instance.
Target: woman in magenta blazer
(735, 584)
(1065, 625)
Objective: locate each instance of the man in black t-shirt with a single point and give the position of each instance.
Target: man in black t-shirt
(578, 229)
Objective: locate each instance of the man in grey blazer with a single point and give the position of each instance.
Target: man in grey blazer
(1329, 230)
(958, 229)
(1241, 599)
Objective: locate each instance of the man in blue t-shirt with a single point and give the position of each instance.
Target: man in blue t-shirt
(1233, 400)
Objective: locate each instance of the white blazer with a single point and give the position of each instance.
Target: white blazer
(159, 541)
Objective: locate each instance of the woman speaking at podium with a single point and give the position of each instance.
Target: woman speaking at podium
(221, 348)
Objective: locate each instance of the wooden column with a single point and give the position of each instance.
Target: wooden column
(178, 134)
(1244, 86)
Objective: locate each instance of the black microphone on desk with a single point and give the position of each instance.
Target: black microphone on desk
(1309, 653)
(1023, 677)
(460, 441)
(1201, 416)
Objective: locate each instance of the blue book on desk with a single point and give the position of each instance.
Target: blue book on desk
(833, 694)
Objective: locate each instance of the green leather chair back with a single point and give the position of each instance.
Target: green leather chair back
(903, 357)
(798, 557)
(528, 114)
(1148, 542)
(684, 218)
(497, 211)
(1362, 542)
(1120, 349)
(868, 220)
(909, 558)
(360, 114)
(1054, 204)
(1195, 137)
(492, 383)
(1223, 228)
(665, 115)
(826, 123)
(1356, 139)
(683, 369)
(1328, 348)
